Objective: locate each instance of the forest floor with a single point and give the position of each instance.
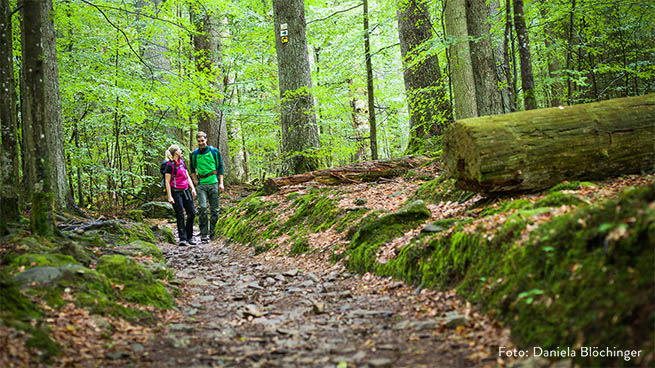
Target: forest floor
(241, 309)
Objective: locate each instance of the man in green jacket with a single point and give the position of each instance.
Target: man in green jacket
(207, 171)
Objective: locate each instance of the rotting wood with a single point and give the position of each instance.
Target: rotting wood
(534, 150)
(355, 173)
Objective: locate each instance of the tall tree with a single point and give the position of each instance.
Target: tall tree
(35, 113)
(369, 86)
(527, 79)
(556, 88)
(297, 116)
(461, 69)
(8, 121)
(52, 109)
(487, 93)
(429, 108)
(209, 61)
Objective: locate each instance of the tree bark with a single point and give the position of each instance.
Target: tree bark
(527, 79)
(8, 123)
(35, 73)
(355, 173)
(429, 109)
(534, 150)
(556, 88)
(460, 60)
(373, 137)
(209, 60)
(297, 115)
(487, 94)
(54, 141)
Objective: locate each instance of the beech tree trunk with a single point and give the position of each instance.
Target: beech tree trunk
(460, 60)
(209, 60)
(355, 173)
(297, 115)
(8, 123)
(35, 114)
(54, 141)
(487, 93)
(527, 79)
(373, 136)
(533, 150)
(429, 108)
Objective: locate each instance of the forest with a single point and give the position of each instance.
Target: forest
(412, 150)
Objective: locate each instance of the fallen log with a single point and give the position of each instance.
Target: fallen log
(534, 150)
(355, 173)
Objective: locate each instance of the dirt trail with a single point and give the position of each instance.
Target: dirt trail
(242, 310)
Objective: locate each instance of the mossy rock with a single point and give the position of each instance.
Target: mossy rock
(135, 215)
(143, 248)
(13, 304)
(77, 251)
(140, 286)
(42, 259)
(160, 271)
(506, 206)
(162, 210)
(163, 234)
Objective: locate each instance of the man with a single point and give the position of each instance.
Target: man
(207, 172)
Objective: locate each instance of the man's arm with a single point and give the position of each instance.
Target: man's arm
(220, 183)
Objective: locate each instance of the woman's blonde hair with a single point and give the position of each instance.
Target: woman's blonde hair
(170, 152)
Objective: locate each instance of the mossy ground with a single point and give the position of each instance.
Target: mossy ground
(59, 269)
(580, 278)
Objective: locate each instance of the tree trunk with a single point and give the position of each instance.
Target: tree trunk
(355, 173)
(297, 116)
(429, 108)
(460, 60)
(8, 123)
(527, 79)
(487, 94)
(556, 88)
(373, 138)
(501, 60)
(209, 60)
(35, 73)
(533, 150)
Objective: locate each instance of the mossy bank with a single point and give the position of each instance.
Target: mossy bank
(580, 277)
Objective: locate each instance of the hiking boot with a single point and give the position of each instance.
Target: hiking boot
(182, 243)
(204, 239)
(191, 241)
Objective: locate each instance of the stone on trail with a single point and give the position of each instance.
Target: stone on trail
(291, 273)
(252, 310)
(454, 319)
(318, 307)
(198, 281)
(380, 363)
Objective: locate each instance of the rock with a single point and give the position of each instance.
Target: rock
(313, 277)
(191, 312)
(453, 319)
(198, 281)
(425, 325)
(431, 228)
(180, 327)
(207, 298)
(307, 284)
(401, 325)
(318, 307)
(142, 248)
(254, 285)
(360, 202)
(380, 363)
(116, 355)
(137, 348)
(158, 210)
(252, 310)
(41, 275)
(270, 280)
(160, 271)
(290, 273)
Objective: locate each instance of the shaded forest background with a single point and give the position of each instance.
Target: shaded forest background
(125, 79)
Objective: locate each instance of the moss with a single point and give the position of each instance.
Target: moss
(557, 199)
(12, 302)
(572, 185)
(32, 260)
(299, 245)
(374, 231)
(140, 286)
(349, 219)
(440, 189)
(506, 206)
(77, 251)
(581, 278)
(135, 215)
(143, 248)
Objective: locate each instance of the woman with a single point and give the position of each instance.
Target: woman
(181, 192)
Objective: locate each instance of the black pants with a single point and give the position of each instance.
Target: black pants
(184, 201)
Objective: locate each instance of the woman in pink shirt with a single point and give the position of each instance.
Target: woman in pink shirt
(181, 192)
